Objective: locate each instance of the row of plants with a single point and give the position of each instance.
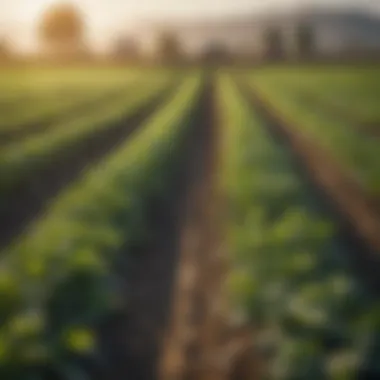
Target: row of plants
(20, 115)
(20, 161)
(59, 281)
(41, 83)
(356, 151)
(290, 275)
(356, 90)
(356, 114)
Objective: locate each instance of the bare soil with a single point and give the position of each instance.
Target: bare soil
(199, 344)
(184, 348)
(29, 199)
(133, 341)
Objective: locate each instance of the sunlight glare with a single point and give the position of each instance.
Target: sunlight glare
(32, 10)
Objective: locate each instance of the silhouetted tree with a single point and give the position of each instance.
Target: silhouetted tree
(305, 41)
(5, 51)
(169, 48)
(62, 29)
(216, 53)
(273, 44)
(126, 49)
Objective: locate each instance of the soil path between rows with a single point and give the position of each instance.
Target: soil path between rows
(134, 341)
(184, 347)
(199, 343)
(29, 200)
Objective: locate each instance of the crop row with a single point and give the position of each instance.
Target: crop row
(357, 90)
(20, 161)
(290, 273)
(19, 85)
(20, 115)
(356, 151)
(59, 281)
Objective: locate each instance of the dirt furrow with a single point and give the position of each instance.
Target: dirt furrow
(30, 199)
(200, 345)
(188, 341)
(133, 341)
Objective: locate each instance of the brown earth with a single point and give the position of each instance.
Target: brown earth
(199, 343)
(133, 341)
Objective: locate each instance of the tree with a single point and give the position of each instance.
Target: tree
(5, 53)
(169, 49)
(126, 49)
(273, 44)
(305, 41)
(62, 29)
(216, 53)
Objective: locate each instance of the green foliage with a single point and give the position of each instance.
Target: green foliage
(289, 274)
(355, 149)
(20, 161)
(25, 110)
(59, 280)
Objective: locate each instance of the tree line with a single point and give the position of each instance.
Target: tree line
(62, 34)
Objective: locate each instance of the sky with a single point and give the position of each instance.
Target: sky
(108, 18)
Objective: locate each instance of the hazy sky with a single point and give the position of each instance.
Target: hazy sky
(108, 17)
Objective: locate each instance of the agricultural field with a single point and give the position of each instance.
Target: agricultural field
(355, 90)
(160, 224)
(339, 108)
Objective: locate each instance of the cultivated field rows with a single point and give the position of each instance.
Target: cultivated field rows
(355, 149)
(154, 216)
